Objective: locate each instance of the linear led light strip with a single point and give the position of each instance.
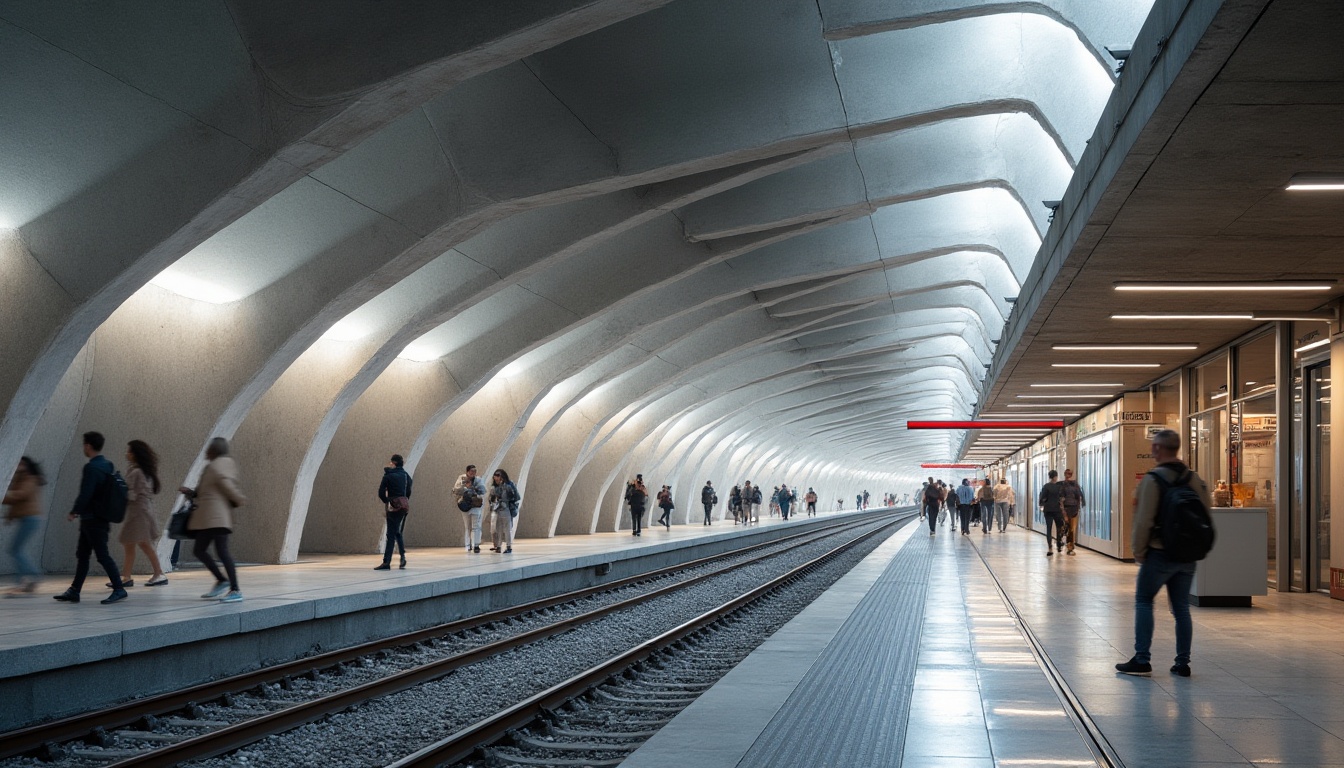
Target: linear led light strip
(1124, 347)
(1246, 286)
(1312, 345)
(1324, 316)
(1105, 365)
(1079, 396)
(1316, 182)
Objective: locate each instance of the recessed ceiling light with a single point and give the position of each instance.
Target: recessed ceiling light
(1179, 316)
(1247, 286)
(1111, 386)
(1105, 365)
(1077, 396)
(1317, 182)
(1123, 347)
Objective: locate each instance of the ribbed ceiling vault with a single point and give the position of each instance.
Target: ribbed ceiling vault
(580, 240)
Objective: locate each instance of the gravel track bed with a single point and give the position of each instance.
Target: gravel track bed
(273, 697)
(382, 731)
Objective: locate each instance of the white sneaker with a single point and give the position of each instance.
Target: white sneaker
(234, 596)
(219, 589)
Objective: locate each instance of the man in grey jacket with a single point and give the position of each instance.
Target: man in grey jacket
(1155, 568)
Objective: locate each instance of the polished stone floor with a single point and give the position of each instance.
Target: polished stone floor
(1267, 689)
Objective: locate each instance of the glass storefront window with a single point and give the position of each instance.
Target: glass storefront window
(1320, 472)
(1256, 369)
(1095, 457)
(1254, 450)
(1208, 446)
(1209, 385)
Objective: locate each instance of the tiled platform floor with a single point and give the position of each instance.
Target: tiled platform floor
(39, 633)
(1267, 690)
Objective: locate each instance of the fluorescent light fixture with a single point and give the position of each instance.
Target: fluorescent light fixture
(1218, 396)
(1305, 347)
(1105, 365)
(1323, 316)
(1245, 286)
(1110, 386)
(1078, 396)
(1317, 182)
(1180, 316)
(345, 330)
(1123, 347)
(1052, 405)
(194, 288)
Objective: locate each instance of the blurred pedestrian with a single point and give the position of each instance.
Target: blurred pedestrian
(23, 500)
(708, 498)
(217, 494)
(94, 528)
(665, 504)
(637, 498)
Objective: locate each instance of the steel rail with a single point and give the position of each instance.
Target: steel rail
(1096, 742)
(247, 732)
(33, 738)
(464, 743)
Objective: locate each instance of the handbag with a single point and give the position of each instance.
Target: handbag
(398, 504)
(177, 524)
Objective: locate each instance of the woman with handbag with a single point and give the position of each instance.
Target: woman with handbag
(504, 498)
(140, 529)
(665, 503)
(216, 495)
(395, 493)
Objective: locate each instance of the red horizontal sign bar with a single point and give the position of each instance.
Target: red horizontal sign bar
(1056, 424)
(951, 466)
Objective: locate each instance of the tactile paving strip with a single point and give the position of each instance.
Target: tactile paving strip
(851, 707)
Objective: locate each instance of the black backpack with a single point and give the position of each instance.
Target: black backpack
(110, 501)
(1183, 522)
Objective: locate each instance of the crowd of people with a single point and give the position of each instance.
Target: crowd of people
(744, 503)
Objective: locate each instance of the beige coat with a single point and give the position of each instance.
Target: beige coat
(217, 495)
(139, 524)
(23, 497)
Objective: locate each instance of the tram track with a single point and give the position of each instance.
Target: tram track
(222, 716)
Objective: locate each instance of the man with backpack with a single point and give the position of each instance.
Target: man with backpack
(708, 498)
(101, 492)
(932, 497)
(1172, 530)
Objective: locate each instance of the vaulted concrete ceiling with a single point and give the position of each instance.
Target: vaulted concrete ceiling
(575, 239)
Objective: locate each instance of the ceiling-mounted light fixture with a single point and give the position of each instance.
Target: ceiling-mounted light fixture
(1124, 347)
(1305, 347)
(1323, 315)
(1317, 182)
(1078, 396)
(1112, 386)
(1245, 286)
(1105, 365)
(1051, 405)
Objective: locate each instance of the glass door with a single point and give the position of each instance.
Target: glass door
(1318, 439)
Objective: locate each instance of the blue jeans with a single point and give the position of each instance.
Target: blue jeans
(1001, 512)
(1157, 569)
(964, 512)
(27, 529)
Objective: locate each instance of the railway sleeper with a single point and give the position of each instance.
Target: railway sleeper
(682, 701)
(574, 746)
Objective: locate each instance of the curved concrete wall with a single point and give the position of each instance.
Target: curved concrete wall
(580, 240)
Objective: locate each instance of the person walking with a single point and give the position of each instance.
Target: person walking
(217, 495)
(636, 497)
(932, 504)
(984, 496)
(811, 499)
(665, 504)
(865, 499)
(735, 503)
(23, 501)
(469, 494)
(395, 493)
(504, 500)
(785, 499)
(93, 527)
(1073, 501)
(1050, 501)
(1004, 499)
(140, 530)
(708, 498)
(1156, 567)
(965, 501)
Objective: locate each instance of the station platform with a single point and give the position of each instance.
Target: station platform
(915, 659)
(57, 658)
